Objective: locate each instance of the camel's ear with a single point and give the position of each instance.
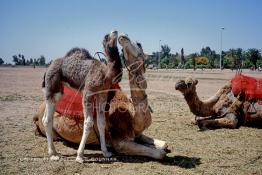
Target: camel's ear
(196, 81)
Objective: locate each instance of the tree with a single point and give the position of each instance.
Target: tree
(42, 60)
(16, 60)
(165, 49)
(35, 62)
(210, 54)
(23, 60)
(254, 55)
(206, 51)
(194, 55)
(1, 61)
(183, 61)
(164, 62)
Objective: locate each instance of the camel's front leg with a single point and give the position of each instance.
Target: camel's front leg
(229, 121)
(135, 149)
(48, 124)
(88, 123)
(159, 144)
(101, 122)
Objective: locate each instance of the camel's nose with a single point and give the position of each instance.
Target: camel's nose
(114, 32)
(180, 85)
(177, 86)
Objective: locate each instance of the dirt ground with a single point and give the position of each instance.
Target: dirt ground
(221, 151)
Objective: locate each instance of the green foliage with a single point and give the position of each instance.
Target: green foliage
(208, 58)
(42, 60)
(188, 65)
(1, 61)
(213, 58)
(259, 63)
(183, 61)
(20, 60)
(247, 64)
(254, 55)
(165, 50)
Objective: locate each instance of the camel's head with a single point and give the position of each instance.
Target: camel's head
(111, 51)
(133, 53)
(186, 86)
(110, 41)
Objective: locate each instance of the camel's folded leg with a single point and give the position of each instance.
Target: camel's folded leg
(40, 129)
(229, 121)
(159, 144)
(132, 148)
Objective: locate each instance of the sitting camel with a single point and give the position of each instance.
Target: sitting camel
(125, 120)
(222, 110)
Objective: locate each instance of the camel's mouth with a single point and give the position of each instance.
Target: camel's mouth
(180, 85)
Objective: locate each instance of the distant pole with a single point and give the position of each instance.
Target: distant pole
(159, 54)
(221, 37)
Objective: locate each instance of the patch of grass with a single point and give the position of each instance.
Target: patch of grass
(12, 97)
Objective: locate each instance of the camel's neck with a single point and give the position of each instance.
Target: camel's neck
(115, 65)
(198, 107)
(142, 118)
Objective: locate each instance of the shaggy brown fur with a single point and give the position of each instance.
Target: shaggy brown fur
(222, 110)
(78, 53)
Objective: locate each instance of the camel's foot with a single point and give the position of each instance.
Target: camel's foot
(107, 154)
(80, 159)
(54, 157)
(159, 144)
(160, 154)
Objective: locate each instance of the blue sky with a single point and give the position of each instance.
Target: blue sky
(52, 27)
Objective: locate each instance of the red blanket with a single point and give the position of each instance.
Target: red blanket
(70, 104)
(252, 87)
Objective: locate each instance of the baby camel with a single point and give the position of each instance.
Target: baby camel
(93, 79)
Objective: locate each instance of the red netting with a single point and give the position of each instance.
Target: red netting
(252, 87)
(70, 104)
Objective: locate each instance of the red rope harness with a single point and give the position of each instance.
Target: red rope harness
(252, 89)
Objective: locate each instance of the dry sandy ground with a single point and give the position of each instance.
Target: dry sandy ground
(220, 151)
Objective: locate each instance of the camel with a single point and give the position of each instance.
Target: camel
(125, 120)
(222, 110)
(93, 79)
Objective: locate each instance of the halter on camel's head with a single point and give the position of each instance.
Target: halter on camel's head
(134, 57)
